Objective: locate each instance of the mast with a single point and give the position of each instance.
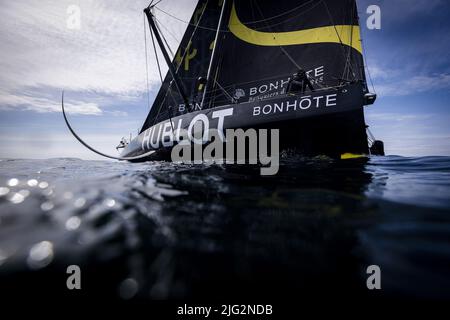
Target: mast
(208, 76)
(172, 71)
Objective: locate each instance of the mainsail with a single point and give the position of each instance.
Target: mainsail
(269, 40)
(191, 60)
(259, 47)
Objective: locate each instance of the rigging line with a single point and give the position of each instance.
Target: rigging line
(213, 53)
(254, 81)
(278, 15)
(369, 74)
(352, 15)
(371, 134)
(159, 68)
(157, 3)
(351, 39)
(214, 98)
(184, 21)
(216, 76)
(258, 80)
(145, 155)
(247, 22)
(168, 31)
(332, 21)
(284, 50)
(346, 71)
(281, 47)
(160, 74)
(366, 64)
(190, 40)
(182, 58)
(337, 33)
(365, 61)
(146, 63)
(224, 91)
(253, 11)
(156, 56)
(301, 13)
(349, 57)
(164, 38)
(192, 36)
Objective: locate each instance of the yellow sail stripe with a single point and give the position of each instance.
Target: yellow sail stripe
(346, 156)
(349, 35)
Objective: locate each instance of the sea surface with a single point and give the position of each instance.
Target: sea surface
(158, 230)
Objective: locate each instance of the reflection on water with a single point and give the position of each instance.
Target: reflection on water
(162, 230)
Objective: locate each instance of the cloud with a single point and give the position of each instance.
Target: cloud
(45, 105)
(409, 55)
(414, 85)
(397, 116)
(390, 81)
(105, 56)
(117, 113)
(407, 143)
(57, 145)
(411, 134)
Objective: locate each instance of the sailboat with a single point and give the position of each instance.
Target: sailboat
(234, 66)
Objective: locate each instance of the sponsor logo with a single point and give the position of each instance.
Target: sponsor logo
(203, 139)
(296, 104)
(266, 90)
(168, 132)
(278, 87)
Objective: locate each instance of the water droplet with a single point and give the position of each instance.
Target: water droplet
(41, 254)
(32, 182)
(17, 198)
(73, 223)
(47, 206)
(68, 195)
(13, 182)
(24, 192)
(128, 288)
(109, 202)
(80, 202)
(48, 192)
(43, 184)
(4, 191)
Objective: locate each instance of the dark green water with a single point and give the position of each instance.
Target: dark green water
(163, 231)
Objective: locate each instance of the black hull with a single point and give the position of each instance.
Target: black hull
(321, 129)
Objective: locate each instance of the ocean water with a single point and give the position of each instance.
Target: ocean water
(158, 230)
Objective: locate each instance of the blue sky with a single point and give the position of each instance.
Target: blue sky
(101, 66)
(409, 59)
